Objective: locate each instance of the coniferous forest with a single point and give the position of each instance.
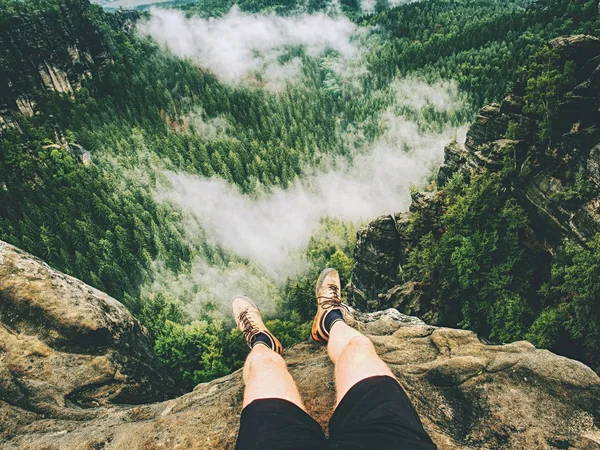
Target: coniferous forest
(98, 178)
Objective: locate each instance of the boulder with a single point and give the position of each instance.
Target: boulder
(414, 299)
(456, 159)
(578, 48)
(494, 155)
(490, 125)
(67, 349)
(512, 104)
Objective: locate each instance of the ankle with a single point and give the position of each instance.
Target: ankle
(333, 317)
(264, 339)
(338, 324)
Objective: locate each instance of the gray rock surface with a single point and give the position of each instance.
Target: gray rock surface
(468, 394)
(66, 348)
(579, 48)
(378, 252)
(63, 342)
(412, 298)
(456, 159)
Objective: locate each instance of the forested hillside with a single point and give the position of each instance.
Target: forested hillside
(103, 118)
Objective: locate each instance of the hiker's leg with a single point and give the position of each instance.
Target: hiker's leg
(274, 417)
(372, 411)
(354, 358)
(266, 376)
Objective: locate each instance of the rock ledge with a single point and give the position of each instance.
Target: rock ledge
(62, 389)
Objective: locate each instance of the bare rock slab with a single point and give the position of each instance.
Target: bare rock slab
(73, 363)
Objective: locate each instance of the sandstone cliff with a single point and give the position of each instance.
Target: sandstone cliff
(51, 50)
(544, 183)
(77, 368)
(67, 348)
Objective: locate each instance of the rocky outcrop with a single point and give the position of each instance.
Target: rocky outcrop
(67, 349)
(379, 253)
(558, 186)
(50, 50)
(545, 187)
(456, 159)
(70, 357)
(577, 48)
(468, 394)
(412, 298)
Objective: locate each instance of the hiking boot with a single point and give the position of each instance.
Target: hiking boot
(249, 321)
(328, 300)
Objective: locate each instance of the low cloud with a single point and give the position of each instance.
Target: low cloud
(128, 3)
(239, 45)
(267, 232)
(269, 228)
(443, 96)
(208, 128)
(206, 289)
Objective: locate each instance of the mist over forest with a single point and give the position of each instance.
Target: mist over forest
(267, 229)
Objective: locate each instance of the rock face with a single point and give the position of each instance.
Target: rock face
(63, 342)
(380, 251)
(66, 349)
(544, 184)
(379, 254)
(544, 187)
(412, 298)
(50, 51)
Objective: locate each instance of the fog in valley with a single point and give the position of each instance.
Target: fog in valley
(267, 231)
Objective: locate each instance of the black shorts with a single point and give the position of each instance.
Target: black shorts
(374, 414)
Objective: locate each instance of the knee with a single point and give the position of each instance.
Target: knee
(264, 360)
(359, 347)
(360, 342)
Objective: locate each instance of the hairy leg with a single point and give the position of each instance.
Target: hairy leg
(266, 376)
(354, 358)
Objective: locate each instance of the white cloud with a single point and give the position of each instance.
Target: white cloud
(239, 45)
(128, 3)
(209, 129)
(206, 284)
(277, 76)
(269, 228)
(368, 6)
(443, 95)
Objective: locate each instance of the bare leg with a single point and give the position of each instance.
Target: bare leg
(354, 358)
(266, 376)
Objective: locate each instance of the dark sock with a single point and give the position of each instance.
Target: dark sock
(332, 317)
(263, 338)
